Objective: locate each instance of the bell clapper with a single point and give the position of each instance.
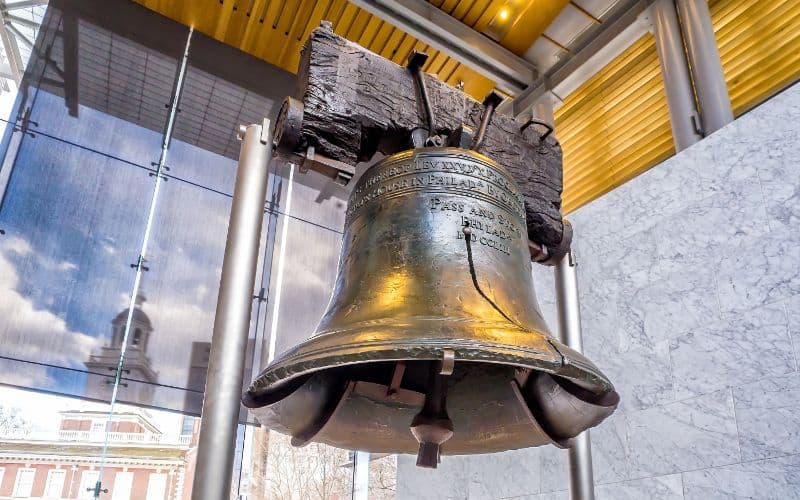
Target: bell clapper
(432, 426)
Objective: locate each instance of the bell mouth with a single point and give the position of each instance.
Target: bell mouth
(362, 388)
(410, 339)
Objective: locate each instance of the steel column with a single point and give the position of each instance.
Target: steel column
(581, 481)
(675, 71)
(221, 402)
(360, 475)
(709, 80)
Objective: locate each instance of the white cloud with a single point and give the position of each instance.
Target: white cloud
(67, 266)
(31, 333)
(18, 246)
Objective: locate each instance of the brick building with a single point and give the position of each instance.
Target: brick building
(142, 462)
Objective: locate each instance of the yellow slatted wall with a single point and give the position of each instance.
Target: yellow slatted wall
(759, 45)
(614, 126)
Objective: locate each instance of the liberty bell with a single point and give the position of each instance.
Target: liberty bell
(433, 342)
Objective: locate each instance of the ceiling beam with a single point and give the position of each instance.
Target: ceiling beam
(589, 44)
(444, 32)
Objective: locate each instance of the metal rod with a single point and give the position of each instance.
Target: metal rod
(581, 483)
(221, 402)
(683, 115)
(709, 80)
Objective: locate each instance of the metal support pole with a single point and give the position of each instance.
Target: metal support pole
(581, 481)
(709, 80)
(221, 402)
(360, 475)
(683, 115)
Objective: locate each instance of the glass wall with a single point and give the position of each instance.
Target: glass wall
(119, 158)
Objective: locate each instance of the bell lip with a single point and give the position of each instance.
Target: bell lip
(315, 354)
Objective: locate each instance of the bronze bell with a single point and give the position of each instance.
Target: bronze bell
(433, 342)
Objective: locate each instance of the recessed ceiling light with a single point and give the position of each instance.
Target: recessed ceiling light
(502, 14)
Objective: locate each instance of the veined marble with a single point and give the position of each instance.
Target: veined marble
(687, 435)
(740, 349)
(768, 416)
(504, 475)
(651, 488)
(772, 479)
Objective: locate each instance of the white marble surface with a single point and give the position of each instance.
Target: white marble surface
(554, 469)
(768, 417)
(771, 479)
(740, 349)
(504, 475)
(686, 435)
(449, 481)
(651, 488)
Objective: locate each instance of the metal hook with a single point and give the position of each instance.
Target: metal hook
(534, 121)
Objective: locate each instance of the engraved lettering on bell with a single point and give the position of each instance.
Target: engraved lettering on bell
(433, 342)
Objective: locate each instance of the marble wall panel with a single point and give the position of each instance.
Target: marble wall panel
(686, 435)
(504, 475)
(652, 488)
(740, 349)
(768, 417)
(771, 479)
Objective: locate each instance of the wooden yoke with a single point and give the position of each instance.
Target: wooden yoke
(352, 103)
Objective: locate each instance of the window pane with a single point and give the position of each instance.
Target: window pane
(55, 484)
(304, 263)
(73, 221)
(88, 481)
(86, 78)
(123, 483)
(24, 485)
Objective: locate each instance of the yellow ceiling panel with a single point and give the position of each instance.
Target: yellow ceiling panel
(276, 30)
(534, 17)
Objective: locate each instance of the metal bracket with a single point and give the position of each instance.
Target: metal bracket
(262, 294)
(153, 174)
(534, 121)
(340, 172)
(697, 125)
(97, 489)
(448, 362)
